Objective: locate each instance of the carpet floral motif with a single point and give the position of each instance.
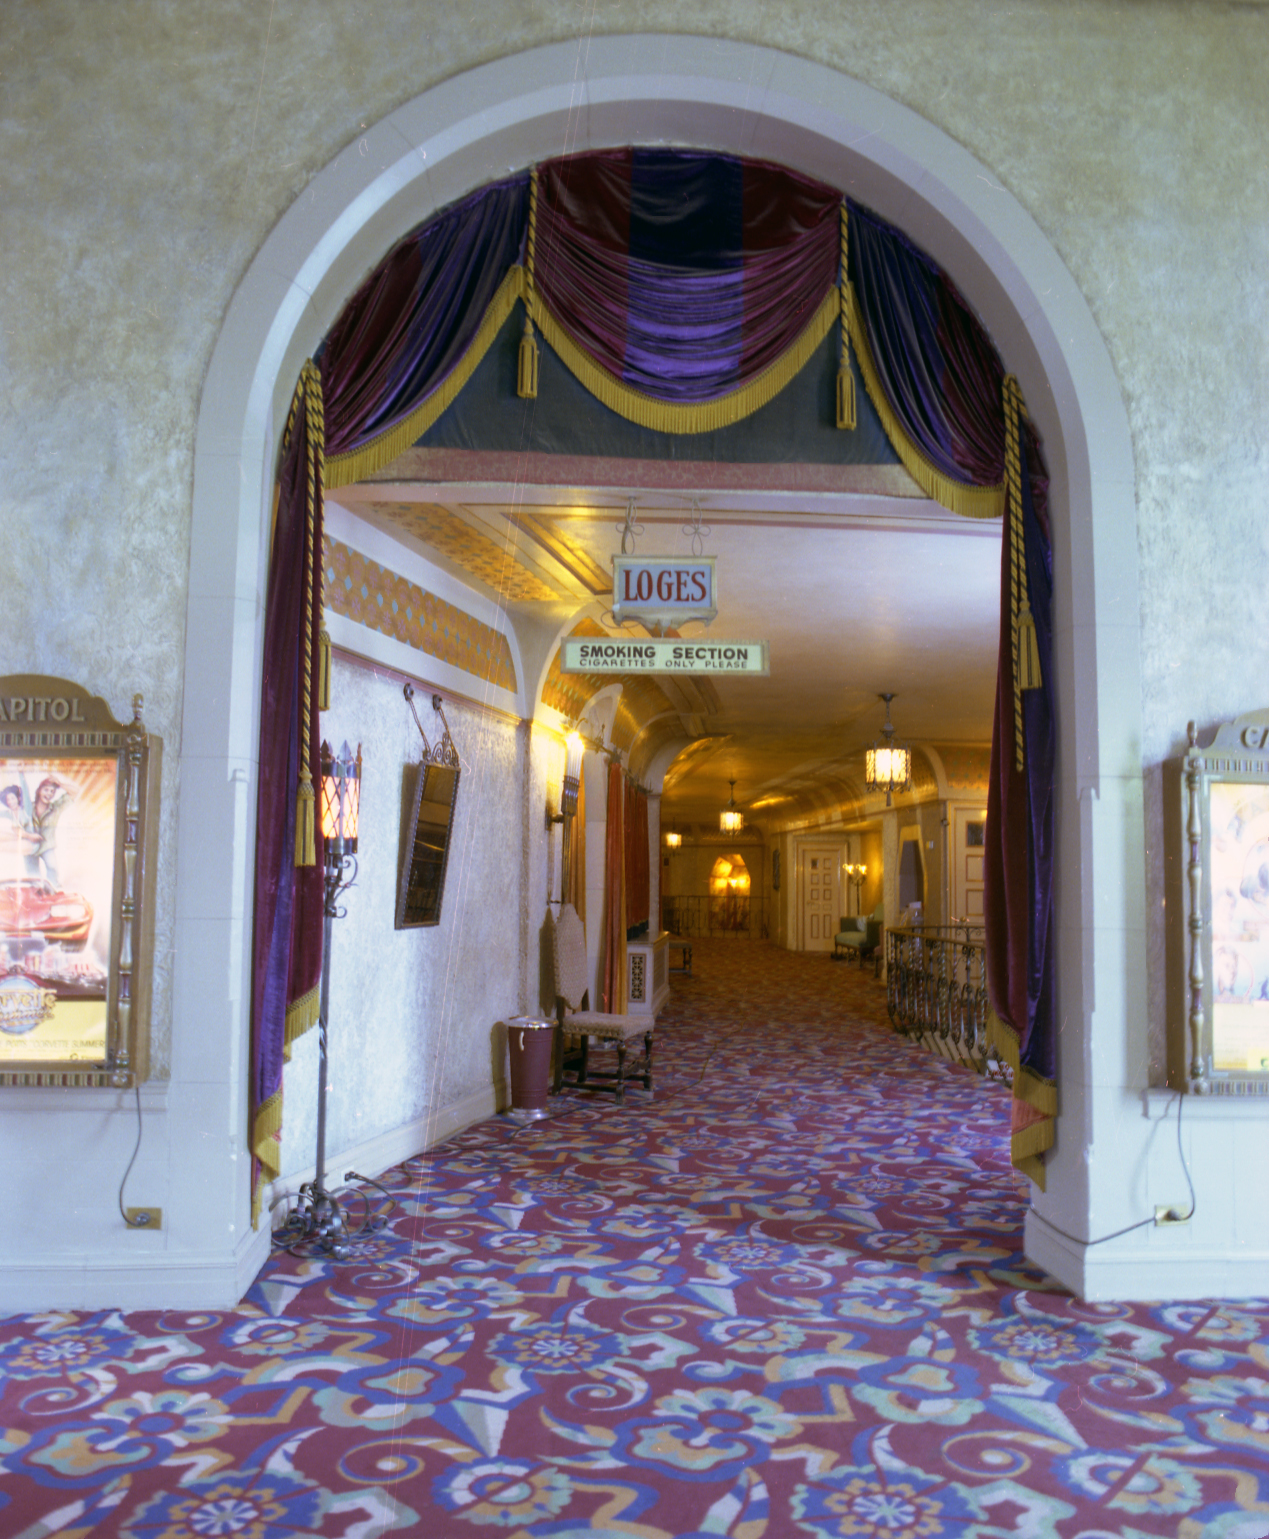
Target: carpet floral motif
(786, 1297)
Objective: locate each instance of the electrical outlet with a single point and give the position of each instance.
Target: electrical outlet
(144, 1218)
(1165, 1214)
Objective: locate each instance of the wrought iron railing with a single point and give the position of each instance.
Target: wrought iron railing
(726, 915)
(936, 991)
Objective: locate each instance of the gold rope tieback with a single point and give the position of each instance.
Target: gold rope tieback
(527, 374)
(846, 412)
(1026, 643)
(306, 801)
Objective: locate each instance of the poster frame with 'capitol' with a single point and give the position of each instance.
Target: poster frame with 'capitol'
(78, 805)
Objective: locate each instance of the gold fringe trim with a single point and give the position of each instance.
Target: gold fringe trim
(265, 1129)
(1032, 1167)
(699, 416)
(301, 1015)
(1027, 1085)
(357, 464)
(846, 412)
(1033, 1139)
(968, 501)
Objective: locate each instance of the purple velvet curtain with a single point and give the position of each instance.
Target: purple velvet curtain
(944, 381)
(682, 274)
(394, 343)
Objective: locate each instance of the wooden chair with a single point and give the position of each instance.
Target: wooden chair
(580, 1027)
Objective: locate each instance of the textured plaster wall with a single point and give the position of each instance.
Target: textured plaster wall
(413, 1012)
(148, 146)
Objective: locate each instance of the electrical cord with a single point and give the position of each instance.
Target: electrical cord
(1179, 1218)
(142, 1221)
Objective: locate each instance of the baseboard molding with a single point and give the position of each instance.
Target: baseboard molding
(126, 1280)
(1162, 1266)
(382, 1152)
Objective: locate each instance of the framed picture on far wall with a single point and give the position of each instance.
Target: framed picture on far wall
(77, 795)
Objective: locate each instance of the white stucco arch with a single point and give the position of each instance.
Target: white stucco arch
(734, 97)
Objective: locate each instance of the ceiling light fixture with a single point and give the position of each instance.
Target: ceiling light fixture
(888, 767)
(730, 821)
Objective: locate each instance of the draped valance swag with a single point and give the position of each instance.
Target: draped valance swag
(684, 290)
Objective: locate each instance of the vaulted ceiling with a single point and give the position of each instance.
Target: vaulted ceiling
(862, 588)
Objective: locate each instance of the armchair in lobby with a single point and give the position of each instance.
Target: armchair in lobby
(861, 937)
(580, 1028)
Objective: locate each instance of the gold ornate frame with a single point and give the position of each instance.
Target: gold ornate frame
(48, 965)
(1224, 844)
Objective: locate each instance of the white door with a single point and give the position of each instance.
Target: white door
(969, 825)
(821, 904)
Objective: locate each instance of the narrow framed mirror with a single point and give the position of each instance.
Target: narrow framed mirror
(429, 826)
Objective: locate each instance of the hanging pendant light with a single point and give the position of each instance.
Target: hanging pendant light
(673, 839)
(887, 766)
(730, 820)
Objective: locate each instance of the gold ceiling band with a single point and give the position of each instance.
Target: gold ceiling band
(955, 496)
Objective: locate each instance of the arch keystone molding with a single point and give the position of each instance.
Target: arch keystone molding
(728, 96)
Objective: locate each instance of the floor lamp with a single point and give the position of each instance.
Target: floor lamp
(317, 1215)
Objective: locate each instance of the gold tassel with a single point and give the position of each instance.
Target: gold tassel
(305, 825)
(845, 395)
(323, 670)
(527, 378)
(1028, 650)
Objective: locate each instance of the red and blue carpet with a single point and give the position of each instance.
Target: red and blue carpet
(787, 1297)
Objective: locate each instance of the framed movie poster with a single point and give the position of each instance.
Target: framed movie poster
(77, 796)
(1225, 813)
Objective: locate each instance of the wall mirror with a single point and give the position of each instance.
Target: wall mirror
(429, 826)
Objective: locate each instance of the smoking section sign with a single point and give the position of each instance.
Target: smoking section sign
(617, 654)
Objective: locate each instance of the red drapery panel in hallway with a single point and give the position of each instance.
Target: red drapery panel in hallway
(614, 975)
(637, 905)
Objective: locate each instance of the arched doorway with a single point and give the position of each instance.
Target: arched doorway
(517, 110)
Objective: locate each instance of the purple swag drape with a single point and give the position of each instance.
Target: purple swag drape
(684, 290)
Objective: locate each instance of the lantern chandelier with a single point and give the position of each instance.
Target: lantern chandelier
(887, 766)
(730, 820)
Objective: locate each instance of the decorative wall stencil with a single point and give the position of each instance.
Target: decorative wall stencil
(383, 600)
(967, 769)
(924, 783)
(495, 565)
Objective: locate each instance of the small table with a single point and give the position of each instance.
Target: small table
(685, 947)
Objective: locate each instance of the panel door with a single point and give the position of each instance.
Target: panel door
(821, 902)
(969, 826)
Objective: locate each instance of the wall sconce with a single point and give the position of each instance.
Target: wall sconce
(673, 840)
(573, 745)
(856, 874)
(730, 820)
(888, 767)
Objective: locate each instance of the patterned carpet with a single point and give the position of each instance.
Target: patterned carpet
(785, 1298)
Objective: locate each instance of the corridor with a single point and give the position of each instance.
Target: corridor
(787, 1296)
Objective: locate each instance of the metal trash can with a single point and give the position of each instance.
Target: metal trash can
(530, 1040)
